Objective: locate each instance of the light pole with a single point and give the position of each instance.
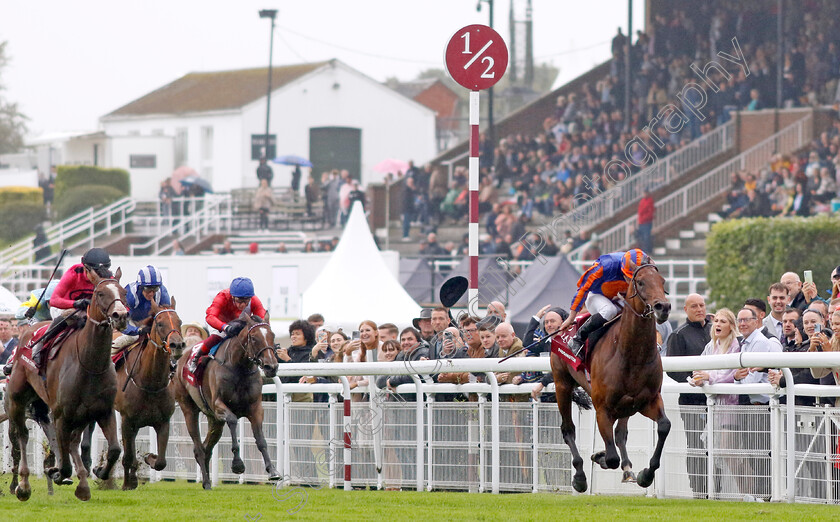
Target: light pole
(268, 13)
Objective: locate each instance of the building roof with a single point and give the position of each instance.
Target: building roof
(412, 88)
(213, 91)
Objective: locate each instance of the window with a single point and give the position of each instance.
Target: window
(207, 143)
(180, 147)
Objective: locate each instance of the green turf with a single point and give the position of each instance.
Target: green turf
(184, 501)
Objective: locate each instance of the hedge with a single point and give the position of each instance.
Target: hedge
(745, 256)
(21, 195)
(19, 220)
(77, 199)
(73, 176)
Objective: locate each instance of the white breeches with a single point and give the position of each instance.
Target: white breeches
(598, 304)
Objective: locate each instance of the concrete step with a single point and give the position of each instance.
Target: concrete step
(702, 227)
(672, 244)
(713, 217)
(687, 234)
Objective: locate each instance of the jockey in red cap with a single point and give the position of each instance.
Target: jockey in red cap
(224, 312)
(598, 287)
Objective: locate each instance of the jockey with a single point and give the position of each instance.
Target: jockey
(139, 297)
(224, 311)
(598, 287)
(27, 308)
(73, 292)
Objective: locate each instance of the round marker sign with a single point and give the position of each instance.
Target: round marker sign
(476, 57)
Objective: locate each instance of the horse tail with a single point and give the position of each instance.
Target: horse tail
(581, 398)
(39, 412)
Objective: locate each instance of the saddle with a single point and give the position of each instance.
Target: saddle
(49, 351)
(560, 343)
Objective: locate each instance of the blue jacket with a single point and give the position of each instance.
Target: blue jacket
(139, 308)
(604, 277)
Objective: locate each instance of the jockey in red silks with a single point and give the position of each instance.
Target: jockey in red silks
(598, 287)
(223, 314)
(73, 291)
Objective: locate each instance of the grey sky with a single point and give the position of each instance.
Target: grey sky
(73, 62)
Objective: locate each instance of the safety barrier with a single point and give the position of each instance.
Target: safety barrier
(499, 442)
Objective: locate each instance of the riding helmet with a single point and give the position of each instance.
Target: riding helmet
(633, 259)
(96, 258)
(149, 276)
(242, 287)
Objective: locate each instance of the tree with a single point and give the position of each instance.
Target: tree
(12, 122)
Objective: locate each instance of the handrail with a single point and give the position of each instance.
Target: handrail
(113, 216)
(209, 217)
(711, 185)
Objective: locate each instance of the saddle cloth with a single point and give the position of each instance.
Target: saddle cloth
(560, 345)
(49, 351)
(194, 379)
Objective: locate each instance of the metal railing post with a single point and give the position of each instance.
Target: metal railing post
(419, 406)
(494, 427)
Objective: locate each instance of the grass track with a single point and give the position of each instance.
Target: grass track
(184, 501)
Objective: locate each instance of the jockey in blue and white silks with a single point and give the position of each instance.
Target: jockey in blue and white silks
(140, 294)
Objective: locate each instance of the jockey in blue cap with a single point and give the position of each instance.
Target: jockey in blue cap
(140, 294)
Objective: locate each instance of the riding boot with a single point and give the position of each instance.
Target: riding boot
(594, 322)
(205, 349)
(55, 328)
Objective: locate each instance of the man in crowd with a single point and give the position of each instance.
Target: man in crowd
(800, 294)
(7, 340)
(791, 336)
(778, 298)
(440, 320)
(760, 309)
(388, 332)
(756, 435)
(690, 339)
(424, 324)
(316, 320)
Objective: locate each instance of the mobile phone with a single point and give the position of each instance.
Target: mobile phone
(817, 328)
(355, 335)
(809, 276)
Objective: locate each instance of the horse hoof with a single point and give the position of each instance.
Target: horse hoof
(23, 494)
(629, 476)
(238, 467)
(645, 478)
(13, 486)
(150, 459)
(274, 476)
(83, 493)
(579, 485)
(598, 457)
(207, 486)
(99, 471)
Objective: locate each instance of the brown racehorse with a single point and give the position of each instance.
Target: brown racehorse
(626, 374)
(231, 388)
(147, 399)
(80, 388)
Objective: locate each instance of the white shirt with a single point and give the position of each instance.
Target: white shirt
(756, 342)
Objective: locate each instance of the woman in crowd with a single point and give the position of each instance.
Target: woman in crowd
(488, 340)
(263, 199)
(726, 429)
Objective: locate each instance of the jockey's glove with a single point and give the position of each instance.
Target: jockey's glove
(144, 330)
(233, 328)
(81, 304)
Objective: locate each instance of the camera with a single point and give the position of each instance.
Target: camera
(447, 336)
(355, 335)
(817, 328)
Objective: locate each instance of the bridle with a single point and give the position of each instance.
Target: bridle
(164, 345)
(108, 308)
(648, 310)
(255, 359)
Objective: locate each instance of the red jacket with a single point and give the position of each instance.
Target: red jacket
(646, 211)
(223, 310)
(73, 285)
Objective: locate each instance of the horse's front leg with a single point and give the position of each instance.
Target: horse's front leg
(109, 429)
(19, 435)
(129, 436)
(256, 418)
(656, 412)
(621, 442)
(229, 418)
(158, 461)
(87, 439)
(563, 392)
(609, 459)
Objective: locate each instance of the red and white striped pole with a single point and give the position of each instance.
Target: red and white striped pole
(472, 295)
(347, 454)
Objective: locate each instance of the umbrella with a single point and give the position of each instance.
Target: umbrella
(180, 173)
(391, 165)
(200, 182)
(290, 159)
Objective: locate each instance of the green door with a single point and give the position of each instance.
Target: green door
(335, 148)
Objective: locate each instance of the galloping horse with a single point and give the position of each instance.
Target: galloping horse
(147, 399)
(231, 388)
(80, 388)
(626, 374)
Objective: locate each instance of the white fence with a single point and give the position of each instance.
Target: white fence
(700, 192)
(502, 443)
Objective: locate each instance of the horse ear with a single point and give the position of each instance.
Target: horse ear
(118, 274)
(245, 317)
(267, 319)
(172, 302)
(155, 308)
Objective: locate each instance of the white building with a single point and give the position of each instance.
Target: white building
(215, 122)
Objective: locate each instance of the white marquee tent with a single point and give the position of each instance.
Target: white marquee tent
(8, 302)
(356, 284)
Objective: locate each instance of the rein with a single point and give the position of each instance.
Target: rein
(98, 323)
(252, 361)
(163, 346)
(648, 311)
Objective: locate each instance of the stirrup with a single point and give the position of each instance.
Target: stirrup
(7, 368)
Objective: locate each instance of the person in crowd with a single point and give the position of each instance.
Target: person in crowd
(724, 340)
(777, 298)
(800, 294)
(223, 315)
(691, 338)
(264, 171)
(760, 308)
(322, 351)
(316, 320)
(409, 198)
(139, 296)
(302, 341)
(488, 341)
(645, 216)
(227, 247)
(816, 335)
(8, 342)
(440, 321)
(423, 323)
(311, 195)
(792, 335)
(508, 343)
(388, 332)
(548, 320)
(193, 334)
(177, 248)
(823, 343)
(756, 435)
(263, 200)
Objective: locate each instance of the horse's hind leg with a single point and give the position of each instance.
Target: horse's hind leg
(83, 489)
(621, 442)
(158, 461)
(109, 429)
(13, 439)
(129, 460)
(563, 392)
(610, 458)
(655, 411)
(256, 418)
(215, 428)
(87, 438)
(191, 420)
(19, 435)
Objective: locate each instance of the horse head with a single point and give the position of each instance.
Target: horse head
(257, 340)
(647, 293)
(108, 301)
(165, 331)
